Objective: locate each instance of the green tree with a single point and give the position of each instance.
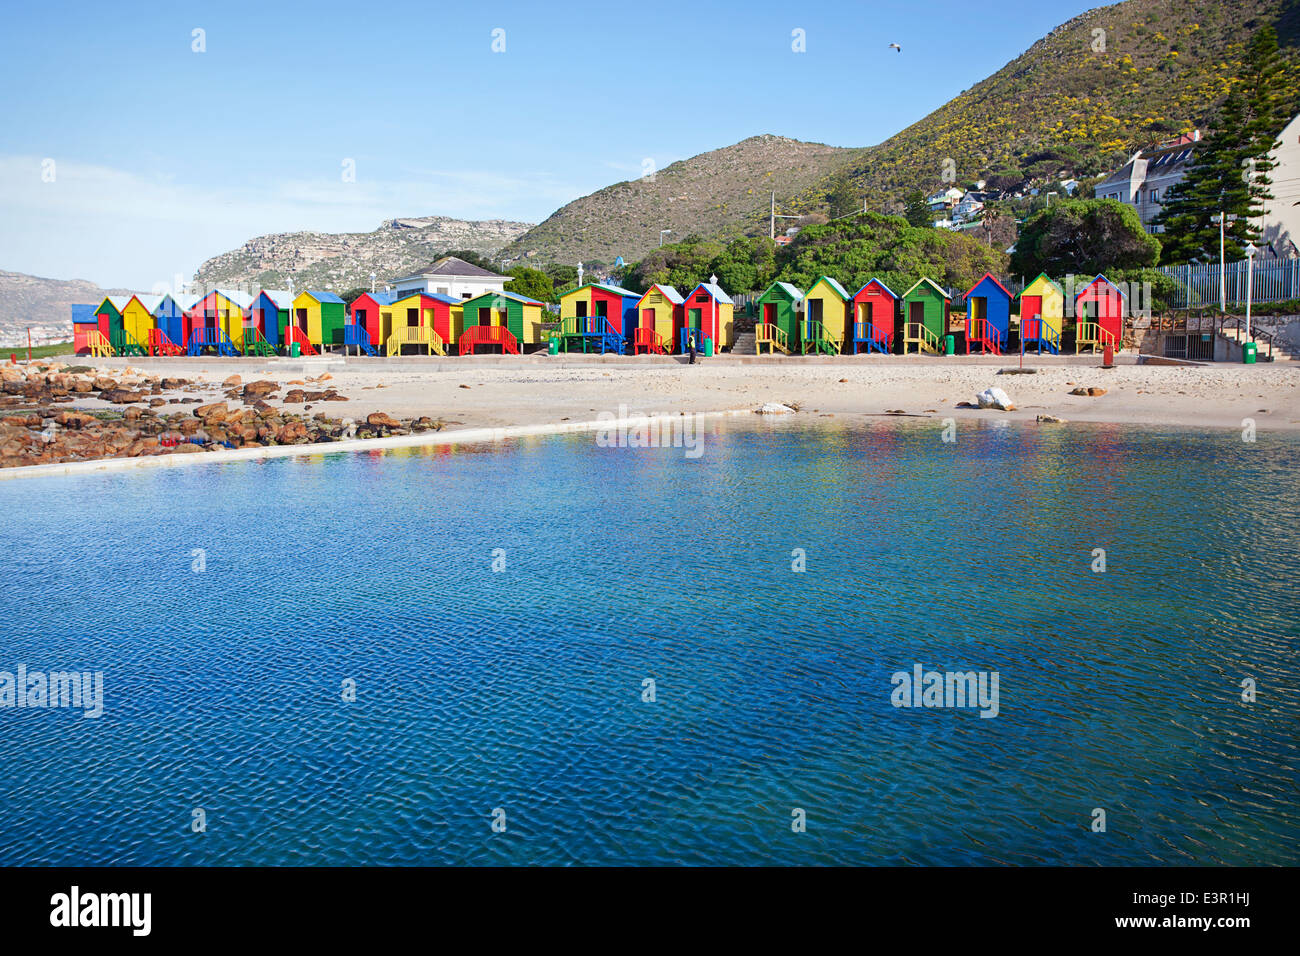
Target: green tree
(746, 265)
(1084, 236)
(1229, 171)
(916, 210)
(531, 282)
(353, 294)
(842, 197)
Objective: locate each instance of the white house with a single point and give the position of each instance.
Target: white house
(453, 277)
(944, 199)
(1280, 224)
(1148, 176)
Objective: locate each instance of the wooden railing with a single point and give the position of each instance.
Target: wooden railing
(1093, 334)
(294, 334)
(477, 335)
(771, 335)
(414, 335)
(820, 338)
(984, 332)
(158, 344)
(647, 339)
(916, 333)
(98, 345)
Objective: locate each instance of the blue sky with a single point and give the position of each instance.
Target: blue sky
(163, 156)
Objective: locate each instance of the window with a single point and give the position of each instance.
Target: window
(1155, 196)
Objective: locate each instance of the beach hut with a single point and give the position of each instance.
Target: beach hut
(168, 335)
(109, 316)
(422, 319)
(659, 315)
(1099, 311)
(317, 318)
(216, 321)
(137, 320)
(363, 329)
(778, 312)
(85, 330)
(925, 316)
(602, 317)
(875, 313)
(988, 315)
(267, 315)
(825, 317)
(1042, 312)
(707, 316)
(505, 320)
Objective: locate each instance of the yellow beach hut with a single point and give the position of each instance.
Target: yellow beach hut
(659, 312)
(137, 321)
(319, 316)
(1042, 313)
(825, 316)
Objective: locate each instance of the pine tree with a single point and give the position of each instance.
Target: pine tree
(916, 210)
(1229, 172)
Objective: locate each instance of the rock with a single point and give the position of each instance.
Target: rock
(1091, 391)
(382, 420)
(1051, 420)
(132, 414)
(994, 397)
(185, 448)
(71, 419)
(255, 391)
(294, 396)
(774, 408)
(215, 410)
(101, 384)
(232, 382)
(120, 396)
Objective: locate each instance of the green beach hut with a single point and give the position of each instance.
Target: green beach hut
(778, 324)
(925, 316)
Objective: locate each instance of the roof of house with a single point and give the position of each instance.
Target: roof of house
(875, 281)
(237, 296)
(184, 300)
(669, 293)
(788, 289)
(83, 314)
(1093, 281)
(394, 298)
(321, 296)
(280, 298)
(451, 266)
(713, 289)
(990, 276)
(839, 289)
(930, 282)
(1046, 278)
(513, 296)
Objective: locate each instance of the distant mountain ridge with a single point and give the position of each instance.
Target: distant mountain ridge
(341, 261)
(44, 306)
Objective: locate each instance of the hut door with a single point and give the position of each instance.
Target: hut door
(1031, 310)
(300, 319)
(647, 318)
(769, 313)
(916, 312)
(815, 310)
(580, 309)
(412, 318)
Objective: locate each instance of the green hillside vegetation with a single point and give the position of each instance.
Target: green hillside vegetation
(1075, 105)
(853, 251)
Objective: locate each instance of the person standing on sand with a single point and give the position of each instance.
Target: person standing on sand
(690, 347)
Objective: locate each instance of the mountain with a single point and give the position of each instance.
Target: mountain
(1081, 100)
(705, 195)
(1078, 102)
(43, 305)
(341, 261)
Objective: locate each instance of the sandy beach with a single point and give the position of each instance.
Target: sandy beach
(491, 391)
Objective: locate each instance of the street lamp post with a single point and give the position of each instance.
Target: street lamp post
(1250, 282)
(372, 283)
(662, 233)
(1221, 219)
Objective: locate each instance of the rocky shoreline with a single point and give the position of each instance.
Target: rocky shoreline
(142, 417)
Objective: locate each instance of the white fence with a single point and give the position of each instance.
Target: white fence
(1275, 280)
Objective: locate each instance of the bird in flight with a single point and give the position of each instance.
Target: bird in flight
(895, 46)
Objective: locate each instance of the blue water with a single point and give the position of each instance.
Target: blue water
(522, 689)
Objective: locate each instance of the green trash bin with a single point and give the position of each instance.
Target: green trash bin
(1248, 353)
(708, 347)
(949, 344)
(553, 347)
(295, 349)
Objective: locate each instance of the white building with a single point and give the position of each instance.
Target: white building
(451, 276)
(1147, 177)
(1280, 224)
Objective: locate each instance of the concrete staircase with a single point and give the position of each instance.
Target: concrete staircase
(1283, 351)
(744, 344)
